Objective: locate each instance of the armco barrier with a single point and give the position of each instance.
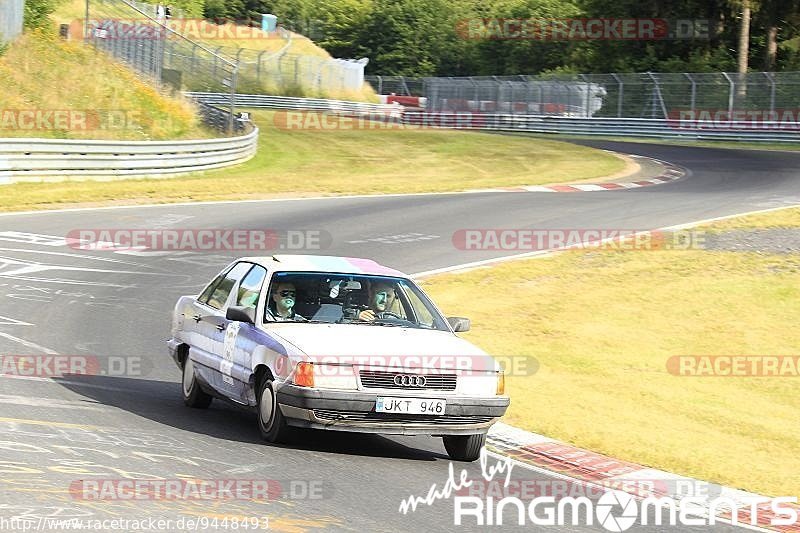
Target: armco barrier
(290, 102)
(613, 127)
(608, 127)
(27, 158)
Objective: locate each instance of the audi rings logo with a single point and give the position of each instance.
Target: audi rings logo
(409, 380)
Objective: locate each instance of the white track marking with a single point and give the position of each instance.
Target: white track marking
(61, 382)
(28, 344)
(32, 238)
(6, 321)
(78, 256)
(50, 402)
(396, 239)
(539, 253)
(30, 267)
(233, 202)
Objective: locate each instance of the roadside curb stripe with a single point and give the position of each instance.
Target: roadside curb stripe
(669, 173)
(598, 469)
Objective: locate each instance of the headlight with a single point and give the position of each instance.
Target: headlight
(304, 374)
(324, 376)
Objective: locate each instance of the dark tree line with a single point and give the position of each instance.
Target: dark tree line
(422, 37)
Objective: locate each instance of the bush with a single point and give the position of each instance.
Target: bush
(37, 12)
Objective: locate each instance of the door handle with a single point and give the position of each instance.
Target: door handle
(197, 318)
(221, 327)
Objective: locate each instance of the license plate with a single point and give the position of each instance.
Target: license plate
(412, 406)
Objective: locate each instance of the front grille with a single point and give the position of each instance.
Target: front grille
(378, 379)
(384, 418)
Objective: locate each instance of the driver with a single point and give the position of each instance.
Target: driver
(284, 295)
(381, 300)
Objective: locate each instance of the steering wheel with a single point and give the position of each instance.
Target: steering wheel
(388, 314)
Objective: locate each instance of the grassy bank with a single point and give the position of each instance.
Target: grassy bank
(312, 162)
(287, 67)
(602, 325)
(92, 96)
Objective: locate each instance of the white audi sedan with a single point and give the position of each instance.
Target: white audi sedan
(335, 343)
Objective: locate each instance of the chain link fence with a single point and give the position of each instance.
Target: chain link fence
(616, 95)
(163, 47)
(136, 34)
(287, 72)
(12, 14)
(399, 85)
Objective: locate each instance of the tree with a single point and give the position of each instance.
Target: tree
(744, 38)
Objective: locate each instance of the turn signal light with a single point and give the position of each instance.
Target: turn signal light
(501, 383)
(304, 374)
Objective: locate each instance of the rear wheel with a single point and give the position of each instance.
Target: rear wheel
(193, 396)
(271, 421)
(464, 447)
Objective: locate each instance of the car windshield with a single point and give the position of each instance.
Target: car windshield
(350, 299)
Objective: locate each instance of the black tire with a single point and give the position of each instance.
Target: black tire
(193, 395)
(271, 422)
(464, 447)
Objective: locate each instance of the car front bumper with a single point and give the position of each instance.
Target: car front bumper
(355, 411)
(172, 345)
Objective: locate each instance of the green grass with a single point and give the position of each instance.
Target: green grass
(602, 325)
(42, 73)
(783, 218)
(309, 162)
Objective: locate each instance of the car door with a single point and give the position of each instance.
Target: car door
(208, 315)
(239, 338)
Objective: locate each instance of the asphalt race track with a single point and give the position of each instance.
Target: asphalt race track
(65, 301)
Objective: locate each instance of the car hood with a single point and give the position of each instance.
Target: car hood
(382, 346)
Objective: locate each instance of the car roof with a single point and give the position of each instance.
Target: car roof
(323, 263)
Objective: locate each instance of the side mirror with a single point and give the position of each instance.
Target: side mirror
(458, 323)
(241, 314)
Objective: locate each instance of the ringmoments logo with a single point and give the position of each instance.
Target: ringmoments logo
(619, 511)
(495, 499)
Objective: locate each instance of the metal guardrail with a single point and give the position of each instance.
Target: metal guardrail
(609, 127)
(290, 102)
(27, 158)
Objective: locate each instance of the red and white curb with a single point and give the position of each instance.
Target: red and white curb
(669, 173)
(589, 467)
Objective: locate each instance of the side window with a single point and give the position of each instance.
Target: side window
(250, 287)
(210, 288)
(424, 317)
(223, 289)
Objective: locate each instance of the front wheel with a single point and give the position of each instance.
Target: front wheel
(193, 396)
(464, 447)
(271, 421)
